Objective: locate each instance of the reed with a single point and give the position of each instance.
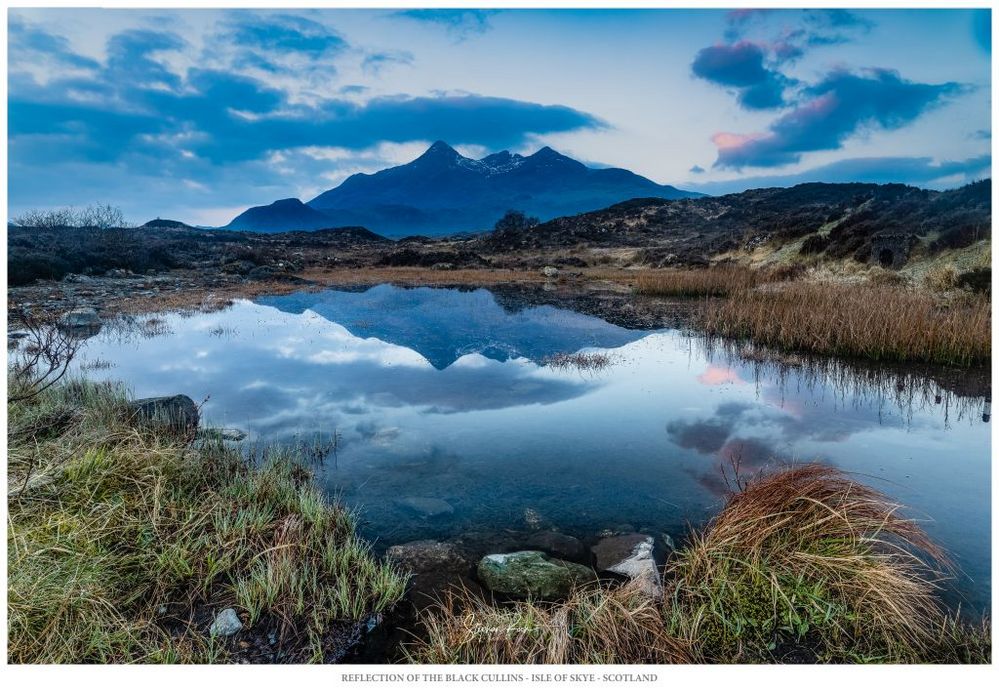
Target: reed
(876, 322)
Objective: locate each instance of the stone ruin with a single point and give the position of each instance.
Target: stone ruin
(891, 250)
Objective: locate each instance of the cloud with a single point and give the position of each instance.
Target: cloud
(752, 69)
(917, 171)
(30, 44)
(696, 169)
(839, 106)
(460, 24)
(135, 105)
(284, 33)
(741, 67)
(374, 63)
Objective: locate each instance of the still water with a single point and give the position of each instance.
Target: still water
(443, 394)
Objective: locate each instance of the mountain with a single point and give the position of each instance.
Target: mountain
(443, 192)
(285, 214)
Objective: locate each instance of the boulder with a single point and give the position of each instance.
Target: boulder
(549, 272)
(557, 544)
(630, 555)
(226, 624)
(174, 412)
(531, 574)
(428, 555)
(426, 507)
(84, 318)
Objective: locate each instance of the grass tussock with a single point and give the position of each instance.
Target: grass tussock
(594, 626)
(877, 322)
(808, 560)
(802, 565)
(123, 544)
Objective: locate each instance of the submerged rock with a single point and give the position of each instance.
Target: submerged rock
(531, 573)
(428, 555)
(226, 624)
(630, 555)
(174, 412)
(557, 544)
(426, 507)
(82, 318)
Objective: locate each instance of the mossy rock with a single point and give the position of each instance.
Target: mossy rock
(532, 574)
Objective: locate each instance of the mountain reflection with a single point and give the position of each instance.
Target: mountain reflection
(444, 325)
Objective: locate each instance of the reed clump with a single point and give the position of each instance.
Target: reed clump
(877, 322)
(124, 543)
(808, 563)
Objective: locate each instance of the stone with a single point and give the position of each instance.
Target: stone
(630, 555)
(175, 412)
(226, 624)
(557, 544)
(75, 278)
(428, 555)
(531, 574)
(426, 507)
(549, 272)
(83, 318)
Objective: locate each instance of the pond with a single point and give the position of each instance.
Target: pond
(450, 418)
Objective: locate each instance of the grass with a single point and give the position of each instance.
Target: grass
(618, 626)
(804, 564)
(874, 321)
(717, 281)
(123, 544)
(808, 560)
(579, 361)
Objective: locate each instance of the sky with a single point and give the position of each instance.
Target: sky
(198, 114)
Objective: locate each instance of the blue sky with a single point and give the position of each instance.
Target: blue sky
(197, 114)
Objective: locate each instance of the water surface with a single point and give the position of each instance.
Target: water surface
(441, 394)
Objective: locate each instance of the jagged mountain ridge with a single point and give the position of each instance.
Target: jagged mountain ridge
(442, 192)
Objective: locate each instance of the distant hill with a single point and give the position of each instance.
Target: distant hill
(166, 223)
(282, 215)
(832, 220)
(443, 192)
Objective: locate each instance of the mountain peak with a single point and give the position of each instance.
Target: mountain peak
(440, 148)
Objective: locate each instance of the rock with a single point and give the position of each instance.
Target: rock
(549, 272)
(241, 267)
(557, 544)
(84, 318)
(531, 573)
(175, 412)
(630, 555)
(261, 272)
(428, 555)
(117, 273)
(426, 507)
(226, 624)
(75, 278)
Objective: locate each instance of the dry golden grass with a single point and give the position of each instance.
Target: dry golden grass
(809, 557)
(877, 322)
(594, 626)
(716, 281)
